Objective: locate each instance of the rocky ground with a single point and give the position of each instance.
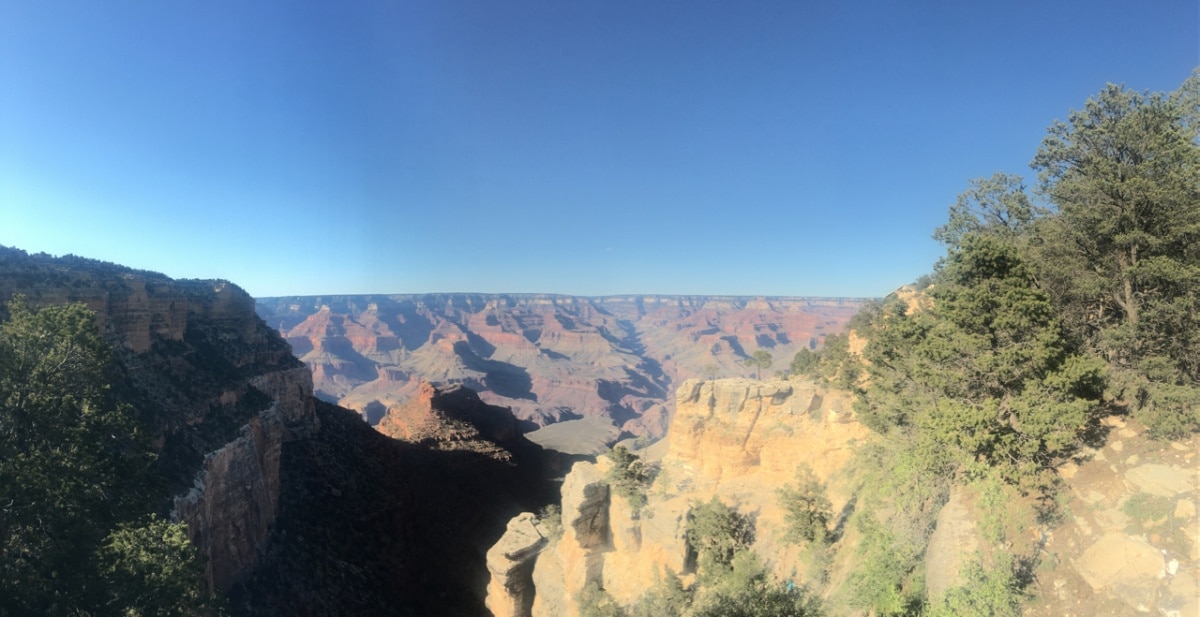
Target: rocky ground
(1129, 542)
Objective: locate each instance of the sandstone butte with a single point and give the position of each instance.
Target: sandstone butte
(741, 440)
(549, 358)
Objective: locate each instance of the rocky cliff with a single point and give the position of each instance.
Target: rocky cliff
(221, 391)
(548, 358)
(1127, 542)
(737, 439)
(298, 506)
(371, 525)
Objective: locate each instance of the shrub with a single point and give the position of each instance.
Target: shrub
(715, 533)
(993, 592)
(746, 590)
(594, 601)
(808, 510)
(1147, 508)
(629, 477)
(667, 598)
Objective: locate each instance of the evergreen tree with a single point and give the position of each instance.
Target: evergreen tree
(1123, 255)
(73, 476)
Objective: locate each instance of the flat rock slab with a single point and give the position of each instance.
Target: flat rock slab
(953, 542)
(1117, 562)
(1161, 480)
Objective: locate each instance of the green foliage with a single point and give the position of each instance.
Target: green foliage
(715, 533)
(1034, 321)
(551, 519)
(760, 361)
(807, 509)
(985, 592)
(805, 362)
(596, 602)
(152, 569)
(667, 598)
(629, 477)
(746, 590)
(1120, 257)
(996, 206)
(1147, 508)
(73, 468)
(833, 364)
(987, 370)
(883, 580)
(993, 501)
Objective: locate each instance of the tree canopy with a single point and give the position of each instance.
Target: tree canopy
(1121, 257)
(74, 482)
(760, 361)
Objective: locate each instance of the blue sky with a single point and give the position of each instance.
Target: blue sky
(758, 148)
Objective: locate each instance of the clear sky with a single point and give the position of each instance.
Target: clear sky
(583, 147)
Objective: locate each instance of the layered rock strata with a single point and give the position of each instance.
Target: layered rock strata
(219, 389)
(548, 358)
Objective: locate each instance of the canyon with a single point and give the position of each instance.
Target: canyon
(296, 506)
(614, 360)
(436, 506)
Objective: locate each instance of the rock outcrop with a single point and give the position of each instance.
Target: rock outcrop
(510, 565)
(454, 418)
(1130, 539)
(738, 439)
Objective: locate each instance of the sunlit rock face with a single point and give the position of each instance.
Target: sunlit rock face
(737, 439)
(510, 565)
(453, 418)
(220, 390)
(737, 430)
(546, 357)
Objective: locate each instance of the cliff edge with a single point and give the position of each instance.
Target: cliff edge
(219, 390)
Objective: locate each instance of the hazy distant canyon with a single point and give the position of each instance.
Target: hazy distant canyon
(550, 358)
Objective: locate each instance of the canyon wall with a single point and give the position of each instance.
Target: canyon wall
(549, 358)
(220, 391)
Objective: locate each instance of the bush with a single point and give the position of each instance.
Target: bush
(667, 598)
(594, 601)
(1147, 508)
(715, 533)
(746, 590)
(992, 592)
(629, 477)
(152, 569)
(808, 510)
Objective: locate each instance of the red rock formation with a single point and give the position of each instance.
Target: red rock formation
(547, 358)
